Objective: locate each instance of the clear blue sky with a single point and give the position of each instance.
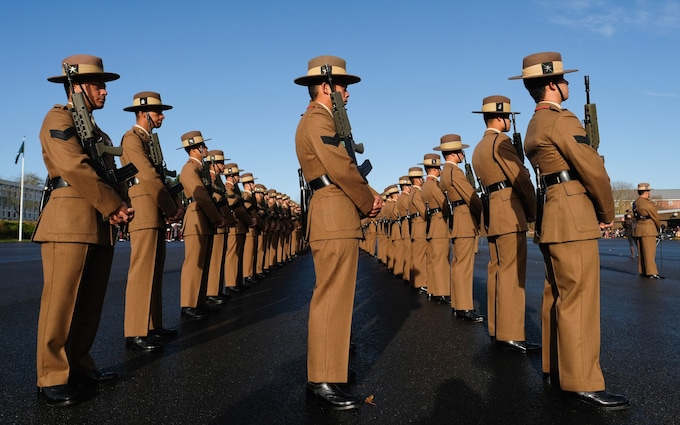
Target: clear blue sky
(228, 69)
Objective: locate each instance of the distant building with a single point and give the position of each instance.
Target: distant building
(10, 199)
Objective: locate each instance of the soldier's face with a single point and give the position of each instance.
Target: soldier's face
(95, 92)
(156, 118)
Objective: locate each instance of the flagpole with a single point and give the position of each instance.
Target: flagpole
(21, 201)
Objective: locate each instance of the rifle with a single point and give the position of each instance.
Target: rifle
(590, 121)
(517, 140)
(408, 221)
(304, 201)
(427, 218)
(156, 156)
(47, 191)
(449, 205)
(342, 127)
(540, 201)
(486, 200)
(92, 140)
(470, 175)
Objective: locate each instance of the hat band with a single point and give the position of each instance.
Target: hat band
(335, 70)
(146, 101)
(496, 107)
(545, 68)
(193, 141)
(83, 68)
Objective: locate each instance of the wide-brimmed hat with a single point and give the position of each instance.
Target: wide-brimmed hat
(544, 64)
(316, 76)
(431, 160)
(192, 138)
(215, 156)
(415, 171)
(450, 143)
(391, 189)
(231, 169)
(147, 101)
(247, 178)
(495, 104)
(644, 186)
(260, 188)
(404, 180)
(83, 68)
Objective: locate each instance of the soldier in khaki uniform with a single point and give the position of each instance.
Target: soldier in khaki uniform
(648, 225)
(75, 230)
(154, 206)
(418, 230)
(236, 240)
(340, 195)
(394, 229)
(438, 233)
(465, 214)
(201, 220)
(510, 204)
(578, 196)
(250, 246)
(403, 204)
(213, 294)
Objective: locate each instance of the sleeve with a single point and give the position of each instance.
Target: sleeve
(340, 168)
(194, 188)
(64, 157)
(519, 177)
(150, 181)
(573, 143)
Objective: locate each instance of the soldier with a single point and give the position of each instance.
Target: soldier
(233, 275)
(262, 237)
(438, 233)
(250, 245)
(200, 221)
(510, 203)
(215, 161)
(577, 196)
(154, 207)
(341, 194)
(77, 250)
(646, 231)
(403, 204)
(418, 230)
(394, 231)
(464, 212)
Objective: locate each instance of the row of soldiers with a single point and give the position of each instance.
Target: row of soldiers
(232, 236)
(428, 229)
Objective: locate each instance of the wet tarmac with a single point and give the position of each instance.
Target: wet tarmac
(247, 363)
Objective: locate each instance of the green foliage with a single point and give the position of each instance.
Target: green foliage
(9, 230)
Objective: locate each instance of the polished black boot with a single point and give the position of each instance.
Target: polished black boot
(332, 396)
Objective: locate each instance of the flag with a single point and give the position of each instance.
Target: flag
(21, 151)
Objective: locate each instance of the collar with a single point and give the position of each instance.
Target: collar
(197, 161)
(495, 130)
(544, 104)
(325, 107)
(143, 129)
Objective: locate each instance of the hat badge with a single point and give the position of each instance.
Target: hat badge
(547, 67)
(73, 69)
(142, 101)
(191, 141)
(499, 107)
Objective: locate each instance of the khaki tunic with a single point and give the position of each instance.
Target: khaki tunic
(334, 230)
(496, 160)
(419, 243)
(556, 141)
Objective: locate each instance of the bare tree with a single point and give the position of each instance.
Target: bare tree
(624, 194)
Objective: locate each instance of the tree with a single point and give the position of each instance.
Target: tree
(30, 179)
(624, 194)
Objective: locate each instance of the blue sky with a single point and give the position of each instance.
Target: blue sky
(228, 70)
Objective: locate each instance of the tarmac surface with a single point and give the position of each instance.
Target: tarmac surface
(247, 363)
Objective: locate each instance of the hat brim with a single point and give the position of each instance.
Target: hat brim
(429, 165)
(313, 80)
(147, 108)
(530, 77)
(99, 76)
(439, 148)
(496, 113)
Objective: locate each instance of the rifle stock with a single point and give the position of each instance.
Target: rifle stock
(590, 118)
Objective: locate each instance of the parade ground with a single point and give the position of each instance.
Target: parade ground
(414, 362)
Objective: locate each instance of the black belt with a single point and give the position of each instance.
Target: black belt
(414, 215)
(190, 200)
(560, 177)
(320, 182)
(457, 203)
(498, 186)
(58, 182)
(434, 211)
